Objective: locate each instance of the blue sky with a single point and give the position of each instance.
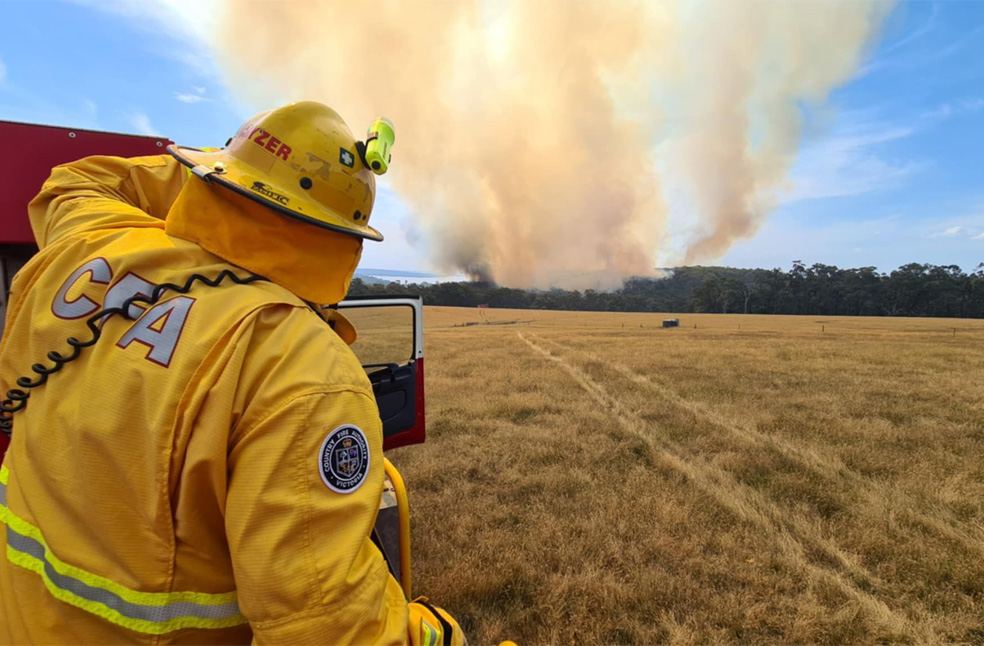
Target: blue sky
(891, 171)
(898, 176)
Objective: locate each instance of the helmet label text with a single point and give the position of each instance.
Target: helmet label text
(268, 142)
(263, 189)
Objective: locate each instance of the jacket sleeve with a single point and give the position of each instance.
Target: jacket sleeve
(306, 570)
(97, 193)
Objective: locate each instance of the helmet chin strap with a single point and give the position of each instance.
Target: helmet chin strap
(205, 172)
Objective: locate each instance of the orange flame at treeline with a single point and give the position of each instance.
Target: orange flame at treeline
(530, 135)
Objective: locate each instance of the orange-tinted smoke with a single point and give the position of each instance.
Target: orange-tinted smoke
(528, 130)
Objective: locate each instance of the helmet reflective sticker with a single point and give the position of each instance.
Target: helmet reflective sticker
(343, 460)
(346, 157)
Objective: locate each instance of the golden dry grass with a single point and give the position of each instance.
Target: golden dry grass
(591, 478)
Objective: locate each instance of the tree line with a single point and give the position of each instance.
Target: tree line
(911, 290)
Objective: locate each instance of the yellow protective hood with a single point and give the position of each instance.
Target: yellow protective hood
(315, 264)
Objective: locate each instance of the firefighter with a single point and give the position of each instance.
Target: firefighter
(209, 468)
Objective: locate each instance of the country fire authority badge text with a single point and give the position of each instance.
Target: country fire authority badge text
(343, 460)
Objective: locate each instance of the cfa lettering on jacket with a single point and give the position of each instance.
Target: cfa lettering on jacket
(158, 328)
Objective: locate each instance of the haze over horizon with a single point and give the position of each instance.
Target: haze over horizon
(871, 158)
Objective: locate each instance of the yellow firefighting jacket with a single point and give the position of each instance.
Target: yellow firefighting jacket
(208, 470)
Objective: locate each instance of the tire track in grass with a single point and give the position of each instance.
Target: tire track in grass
(830, 549)
(752, 507)
(830, 467)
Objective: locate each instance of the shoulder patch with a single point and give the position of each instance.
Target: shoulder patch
(343, 460)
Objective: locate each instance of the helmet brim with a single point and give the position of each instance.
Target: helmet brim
(237, 177)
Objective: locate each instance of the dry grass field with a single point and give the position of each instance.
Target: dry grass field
(592, 478)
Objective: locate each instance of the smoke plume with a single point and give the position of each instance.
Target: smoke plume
(530, 133)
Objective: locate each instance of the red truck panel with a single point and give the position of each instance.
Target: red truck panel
(30, 151)
(416, 434)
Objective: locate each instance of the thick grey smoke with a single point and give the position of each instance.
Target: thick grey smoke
(529, 131)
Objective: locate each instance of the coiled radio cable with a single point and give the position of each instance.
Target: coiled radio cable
(16, 399)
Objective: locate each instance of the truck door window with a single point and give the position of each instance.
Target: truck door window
(385, 333)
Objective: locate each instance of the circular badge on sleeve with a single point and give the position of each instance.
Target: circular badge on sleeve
(343, 460)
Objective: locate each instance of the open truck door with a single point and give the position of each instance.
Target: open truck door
(390, 345)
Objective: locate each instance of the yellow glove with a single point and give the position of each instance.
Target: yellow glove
(433, 626)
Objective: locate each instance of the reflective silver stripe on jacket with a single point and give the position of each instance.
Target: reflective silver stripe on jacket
(163, 612)
(80, 589)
